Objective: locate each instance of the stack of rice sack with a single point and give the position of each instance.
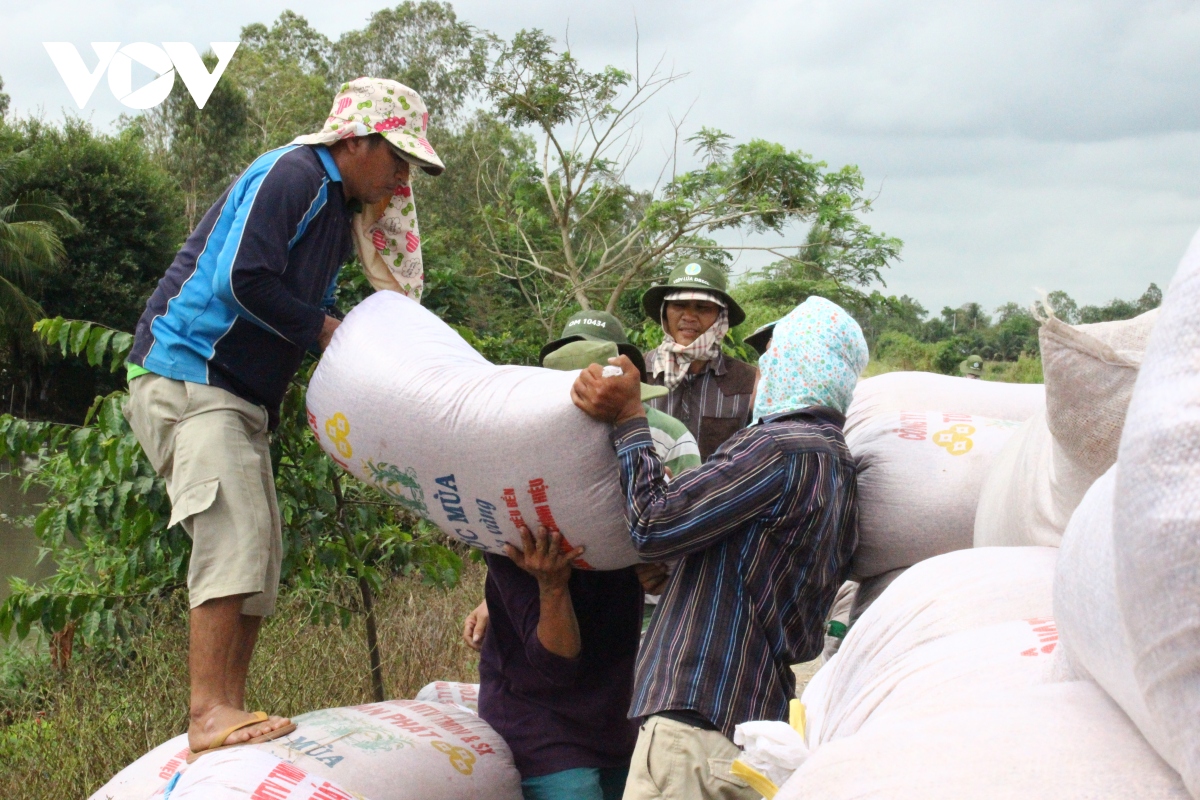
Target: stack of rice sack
(955, 683)
(923, 444)
(396, 750)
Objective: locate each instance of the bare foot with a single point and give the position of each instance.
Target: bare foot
(204, 728)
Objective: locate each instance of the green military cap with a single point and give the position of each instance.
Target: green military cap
(973, 365)
(596, 326)
(760, 340)
(697, 276)
(582, 354)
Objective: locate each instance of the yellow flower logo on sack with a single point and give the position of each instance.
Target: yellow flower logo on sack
(956, 439)
(461, 758)
(337, 428)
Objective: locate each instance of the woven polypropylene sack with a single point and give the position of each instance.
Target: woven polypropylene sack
(1055, 741)
(148, 774)
(1094, 640)
(957, 593)
(919, 476)
(1156, 524)
(1090, 371)
(442, 752)
(406, 405)
(246, 773)
(1030, 490)
(927, 391)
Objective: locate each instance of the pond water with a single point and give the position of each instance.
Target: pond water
(18, 546)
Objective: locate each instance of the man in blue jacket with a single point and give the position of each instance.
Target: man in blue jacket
(248, 295)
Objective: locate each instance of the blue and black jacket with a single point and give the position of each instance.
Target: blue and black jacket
(248, 293)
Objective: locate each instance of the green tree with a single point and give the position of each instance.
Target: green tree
(129, 228)
(566, 228)
(1118, 309)
(3, 99)
(423, 45)
(204, 149)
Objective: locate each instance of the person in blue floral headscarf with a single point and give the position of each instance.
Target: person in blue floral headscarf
(764, 531)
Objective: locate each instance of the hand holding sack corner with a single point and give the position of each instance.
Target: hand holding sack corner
(403, 403)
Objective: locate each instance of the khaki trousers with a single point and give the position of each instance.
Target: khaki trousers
(210, 446)
(674, 761)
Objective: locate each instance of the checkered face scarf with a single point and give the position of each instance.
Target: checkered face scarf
(675, 359)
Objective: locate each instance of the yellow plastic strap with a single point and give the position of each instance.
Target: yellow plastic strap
(797, 717)
(758, 782)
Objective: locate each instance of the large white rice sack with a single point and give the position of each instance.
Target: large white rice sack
(148, 774)
(453, 693)
(1156, 525)
(1094, 639)
(1041, 475)
(1056, 741)
(402, 750)
(405, 404)
(966, 592)
(927, 391)
(247, 772)
(919, 476)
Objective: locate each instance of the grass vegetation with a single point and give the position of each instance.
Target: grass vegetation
(64, 734)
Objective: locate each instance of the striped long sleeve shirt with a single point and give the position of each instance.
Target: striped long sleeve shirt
(765, 530)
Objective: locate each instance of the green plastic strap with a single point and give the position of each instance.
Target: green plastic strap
(836, 629)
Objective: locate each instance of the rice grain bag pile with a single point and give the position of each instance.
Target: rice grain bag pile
(402, 402)
(1048, 465)
(919, 475)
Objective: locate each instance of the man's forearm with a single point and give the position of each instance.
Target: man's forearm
(558, 630)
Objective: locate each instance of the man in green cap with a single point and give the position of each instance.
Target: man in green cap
(972, 368)
(709, 392)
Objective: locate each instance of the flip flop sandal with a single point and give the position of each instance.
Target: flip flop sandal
(259, 716)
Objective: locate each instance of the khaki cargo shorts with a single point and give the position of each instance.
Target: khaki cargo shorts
(211, 448)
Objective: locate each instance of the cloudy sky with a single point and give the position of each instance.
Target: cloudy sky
(1013, 146)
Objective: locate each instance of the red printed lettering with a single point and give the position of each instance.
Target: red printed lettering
(287, 772)
(270, 791)
(913, 427)
(950, 416)
(326, 791)
(538, 490)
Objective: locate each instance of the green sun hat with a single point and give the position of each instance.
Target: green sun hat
(973, 365)
(760, 340)
(697, 276)
(596, 326)
(582, 354)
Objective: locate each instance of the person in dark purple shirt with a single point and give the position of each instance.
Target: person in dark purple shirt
(556, 667)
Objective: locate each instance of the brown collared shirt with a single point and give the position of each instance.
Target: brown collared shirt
(714, 404)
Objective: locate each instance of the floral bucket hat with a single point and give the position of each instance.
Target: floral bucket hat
(385, 233)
